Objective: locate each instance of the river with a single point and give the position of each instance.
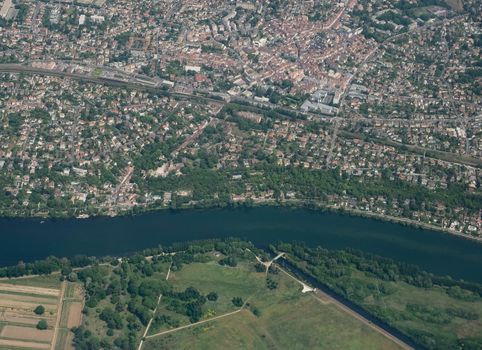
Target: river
(29, 239)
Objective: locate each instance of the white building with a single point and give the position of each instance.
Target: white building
(8, 10)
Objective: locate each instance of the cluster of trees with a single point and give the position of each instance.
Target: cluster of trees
(471, 76)
(112, 319)
(228, 261)
(85, 340)
(39, 310)
(132, 288)
(269, 113)
(47, 266)
(259, 267)
(308, 184)
(395, 18)
(211, 49)
(42, 325)
(245, 124)
(161, 320)
(203, 182)
(123, 38)
(336, 263)
(212, 296)
(189, 303)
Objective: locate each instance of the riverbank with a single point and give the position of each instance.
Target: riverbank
(320, 206)
(287, 203)
(29, 239)
(347, 279)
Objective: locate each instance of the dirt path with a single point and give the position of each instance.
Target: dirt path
(59, 315)
(203, 321)
(267, 264)
(196, 323)
(144, 336)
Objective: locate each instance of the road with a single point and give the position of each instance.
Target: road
(193, 137)
(125, 179)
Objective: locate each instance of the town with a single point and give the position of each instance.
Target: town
(117, 107)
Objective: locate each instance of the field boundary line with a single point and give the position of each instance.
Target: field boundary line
(59, 315)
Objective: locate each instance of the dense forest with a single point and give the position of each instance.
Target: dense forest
(310, 185)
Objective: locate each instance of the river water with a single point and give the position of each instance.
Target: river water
(29, 239)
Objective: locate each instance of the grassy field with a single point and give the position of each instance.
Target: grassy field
(435, 312)
(284, 317)
(227, 281)
(433, 304)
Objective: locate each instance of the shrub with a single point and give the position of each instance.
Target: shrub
(237, 301)
(213, 296)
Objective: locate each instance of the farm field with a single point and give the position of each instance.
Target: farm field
(281, 317)
(71, 315)
(19, 299)
(44, 281)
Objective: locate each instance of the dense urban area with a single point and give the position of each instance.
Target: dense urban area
(112, 107)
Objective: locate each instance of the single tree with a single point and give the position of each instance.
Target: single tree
(42, 325)
(39, 310)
